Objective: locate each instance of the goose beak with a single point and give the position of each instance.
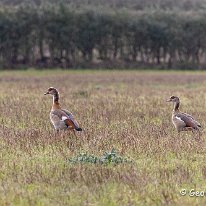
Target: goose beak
(169, 100)
(46, 93)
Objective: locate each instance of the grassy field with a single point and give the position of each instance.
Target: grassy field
(123, 110)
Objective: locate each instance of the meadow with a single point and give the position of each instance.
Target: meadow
(122, 110)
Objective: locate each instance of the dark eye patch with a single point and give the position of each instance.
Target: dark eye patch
(172, 97)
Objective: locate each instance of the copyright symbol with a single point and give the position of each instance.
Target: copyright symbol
(183, 192)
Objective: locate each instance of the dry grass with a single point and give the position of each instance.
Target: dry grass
(122, 110)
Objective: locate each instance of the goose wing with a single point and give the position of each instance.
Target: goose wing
(192, 119)
(188, 120)
(67, 117)
(72, 119)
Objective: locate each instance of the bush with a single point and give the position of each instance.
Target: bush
(106, 158)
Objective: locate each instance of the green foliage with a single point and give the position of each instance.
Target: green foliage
(106, 158)
(57, 35)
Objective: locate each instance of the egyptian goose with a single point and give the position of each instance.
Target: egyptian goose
(182, 121)
(61, 118)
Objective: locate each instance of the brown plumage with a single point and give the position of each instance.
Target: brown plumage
(61, 118)
(182, 121)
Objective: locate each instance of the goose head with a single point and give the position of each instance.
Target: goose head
(52, 91)
(174, 99)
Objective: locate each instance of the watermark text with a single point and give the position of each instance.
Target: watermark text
(192, 192)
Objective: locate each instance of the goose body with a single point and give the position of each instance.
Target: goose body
(61, 118)
(182, 121)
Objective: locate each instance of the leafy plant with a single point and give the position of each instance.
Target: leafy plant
(106, 158)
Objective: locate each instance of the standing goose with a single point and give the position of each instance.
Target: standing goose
(61, 118)
(182, 121)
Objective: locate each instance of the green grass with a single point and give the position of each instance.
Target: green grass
(125, 110)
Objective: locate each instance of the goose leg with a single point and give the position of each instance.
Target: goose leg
(199, 134)
(188, 129)
(74, 133)
(57, 131)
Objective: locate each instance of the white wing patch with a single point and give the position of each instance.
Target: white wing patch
(64, 118)
(179, 119)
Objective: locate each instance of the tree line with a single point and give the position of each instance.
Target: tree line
(58, 36)
(183, 5)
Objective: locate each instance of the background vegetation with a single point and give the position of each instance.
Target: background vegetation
(125, 111)
(109, 34)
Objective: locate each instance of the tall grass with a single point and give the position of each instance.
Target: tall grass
(122, 110)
